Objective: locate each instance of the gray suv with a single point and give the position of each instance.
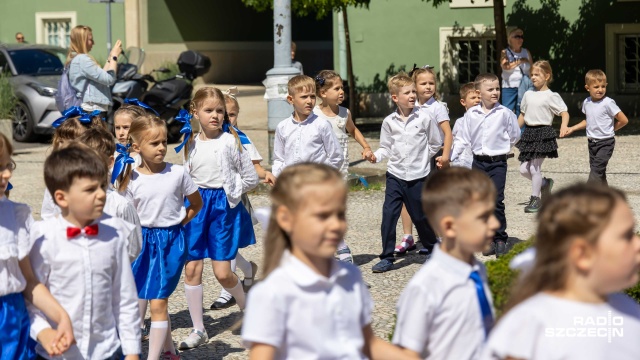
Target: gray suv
(35, 71)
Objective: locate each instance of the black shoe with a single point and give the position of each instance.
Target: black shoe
(491, 250)
(533, 206)
(219, 305)
(500, 248)
(425, 252)
(545, 191)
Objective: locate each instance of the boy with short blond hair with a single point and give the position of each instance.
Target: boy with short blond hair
(409, 138)
(491, 130)
(462, 156)
(81, 257)
(304, 136)
(603, 119)
(455, 311)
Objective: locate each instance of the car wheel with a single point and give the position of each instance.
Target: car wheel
(22, 123)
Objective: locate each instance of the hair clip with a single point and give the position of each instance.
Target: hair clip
(185, 118)
(320, 80)
(137, 102)
(121, 161)
(86, 117)
(232, 92)
(427, 67)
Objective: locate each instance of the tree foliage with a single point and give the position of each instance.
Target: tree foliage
(320, 8)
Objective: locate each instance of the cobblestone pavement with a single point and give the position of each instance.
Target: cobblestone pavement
(364, 215)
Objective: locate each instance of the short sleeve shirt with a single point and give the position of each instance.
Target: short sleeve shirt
(159, 198)
(600, 117)
(539, 107)
(307, 316)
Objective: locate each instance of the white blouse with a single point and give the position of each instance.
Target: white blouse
(15, 224)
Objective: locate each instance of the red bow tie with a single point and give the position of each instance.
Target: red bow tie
(90, 230)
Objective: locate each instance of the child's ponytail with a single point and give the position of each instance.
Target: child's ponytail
(580, 210)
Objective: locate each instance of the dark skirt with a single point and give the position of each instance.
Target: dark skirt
(537, 142)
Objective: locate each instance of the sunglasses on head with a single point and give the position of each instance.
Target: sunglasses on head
(20, 38)
(518, 37)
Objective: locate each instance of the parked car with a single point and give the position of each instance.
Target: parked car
(35, 71)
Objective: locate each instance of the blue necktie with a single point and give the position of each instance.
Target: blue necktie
(487, 316)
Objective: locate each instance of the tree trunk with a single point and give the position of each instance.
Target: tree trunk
(352, 82)
(501, 32)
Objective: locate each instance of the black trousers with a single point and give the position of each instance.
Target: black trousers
(409, 193)
(600, 152)
(497, 171)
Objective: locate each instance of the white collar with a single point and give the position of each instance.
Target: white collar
(457, 267)
(309, 119)
(302, 274)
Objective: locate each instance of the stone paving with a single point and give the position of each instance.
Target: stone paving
(364, 215)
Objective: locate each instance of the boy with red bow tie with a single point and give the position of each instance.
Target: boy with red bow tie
(81, 256)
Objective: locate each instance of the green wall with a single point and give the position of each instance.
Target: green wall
(177, 21)
(19, 15)
(395, 34)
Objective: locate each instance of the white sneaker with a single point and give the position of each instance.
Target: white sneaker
(195, 339)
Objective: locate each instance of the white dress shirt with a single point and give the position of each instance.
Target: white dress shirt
(305, 315)
(461, 154)
(90, 276)
(546, 327)
(439, 314)
(311, 140)
(493, 133)
(409, 145)
(15, 222)
(600, 117)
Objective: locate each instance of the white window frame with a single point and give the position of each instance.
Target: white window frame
(611, 45)
(41, 17)
(458, 4)
(448, 76)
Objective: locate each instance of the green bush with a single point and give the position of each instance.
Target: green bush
(173, 71)
(8, 100)
(501, 278)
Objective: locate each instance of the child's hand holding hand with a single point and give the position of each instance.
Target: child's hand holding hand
(49, 340)
(368, 155)
(565, 131)
(64, 334)
(442, 163)
(269, 178)
(131, 357)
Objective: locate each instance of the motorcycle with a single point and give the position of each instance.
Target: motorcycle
(167, 97)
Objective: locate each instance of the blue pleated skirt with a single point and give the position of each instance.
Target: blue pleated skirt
(158, 267)
(14, 328)
(218, 231)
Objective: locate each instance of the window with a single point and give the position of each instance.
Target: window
(54, 28)
(474, 56)
(629, 62)
(57, 32)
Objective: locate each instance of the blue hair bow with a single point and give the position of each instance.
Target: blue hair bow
(68, 113)
(9, 187)
(226, 127)
(137, 102)
(85, 118)
(121, 162)
(185, 118)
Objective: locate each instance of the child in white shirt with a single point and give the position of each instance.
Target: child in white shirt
(603, 119)
(569, 305)
(446, 311)
(17, 281)
(538, 140)
(310, 305)
(409, 139)
(157, 190)
(223, 171)
(461, 156)
(491, 130)
(304, 137)
(81, 256)
(248, 268)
